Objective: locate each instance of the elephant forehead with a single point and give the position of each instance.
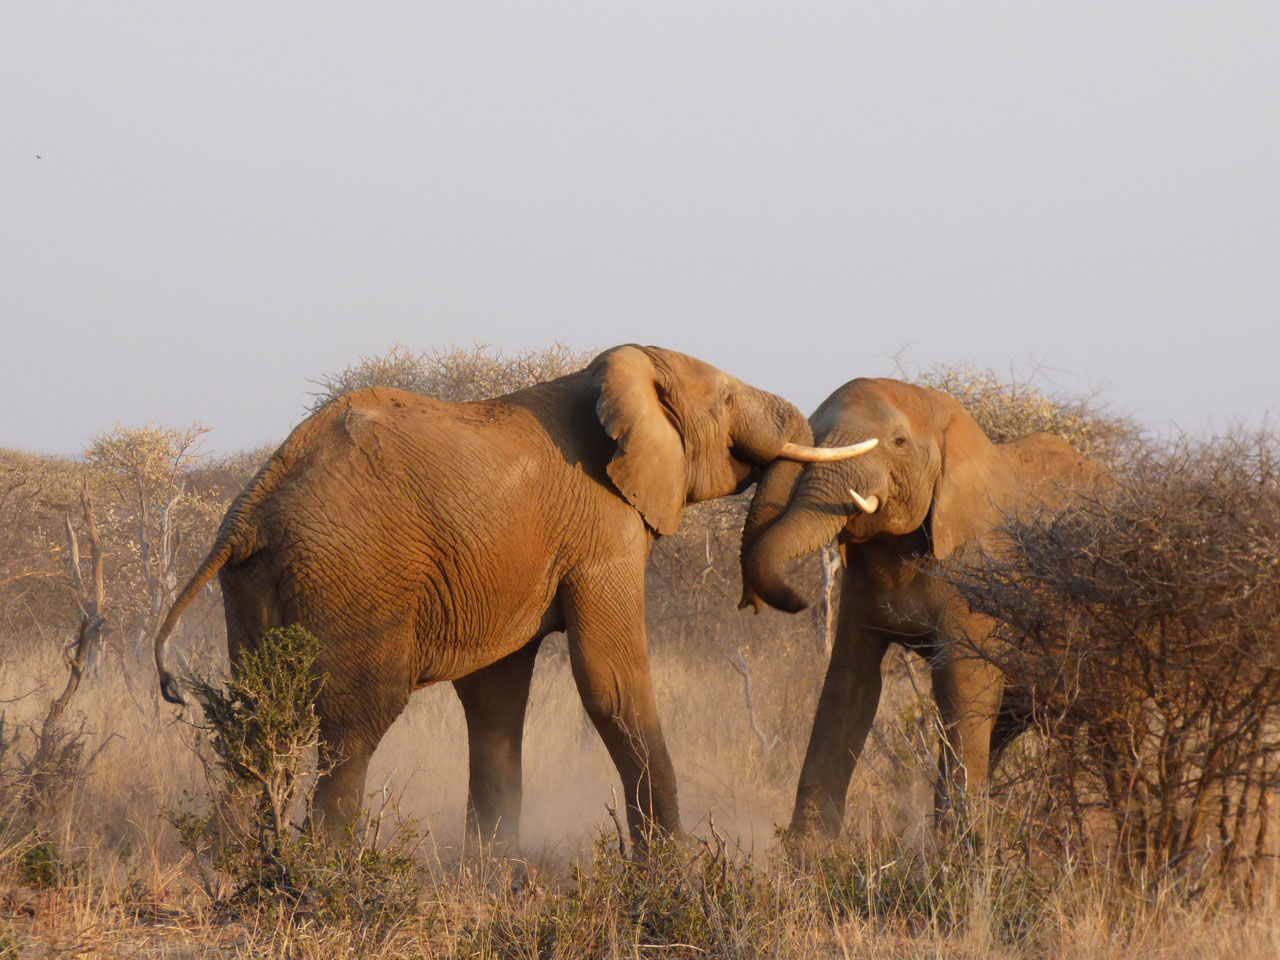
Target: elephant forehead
(875, 404)
(858, 409)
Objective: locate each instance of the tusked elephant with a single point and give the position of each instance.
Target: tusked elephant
(424, 541)
(934, 486)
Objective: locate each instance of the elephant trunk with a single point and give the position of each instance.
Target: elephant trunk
(778, 477)
(808, 523)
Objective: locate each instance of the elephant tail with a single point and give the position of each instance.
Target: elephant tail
(221, 553)
(236, 541)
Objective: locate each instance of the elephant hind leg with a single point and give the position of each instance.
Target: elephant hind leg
(494, 700)
(340, 788)
(356, 707)
(250, 607)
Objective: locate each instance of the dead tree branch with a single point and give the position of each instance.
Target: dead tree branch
(59, 751)
(740, 664)
(826, 609)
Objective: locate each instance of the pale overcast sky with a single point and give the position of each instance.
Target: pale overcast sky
(203, 205)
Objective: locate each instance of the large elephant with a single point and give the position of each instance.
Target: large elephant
(934, 486)
(424, 541)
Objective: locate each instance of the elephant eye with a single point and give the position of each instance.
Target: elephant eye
(899, 441)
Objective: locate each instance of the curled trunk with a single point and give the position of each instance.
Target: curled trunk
(805, 527)
(779, 476)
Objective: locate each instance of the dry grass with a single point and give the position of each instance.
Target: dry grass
(127, 889)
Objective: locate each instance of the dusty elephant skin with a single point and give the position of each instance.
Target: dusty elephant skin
(934, 486)
(424, 541)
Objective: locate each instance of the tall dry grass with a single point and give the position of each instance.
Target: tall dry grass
(890, 888)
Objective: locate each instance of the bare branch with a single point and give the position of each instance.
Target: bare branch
(739, 663)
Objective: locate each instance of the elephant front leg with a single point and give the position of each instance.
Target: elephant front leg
(605, 620)
(846, 710)
(494, 700)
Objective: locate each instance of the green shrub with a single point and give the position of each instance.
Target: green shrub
(30, 857)
(261, 727)
(261, 736)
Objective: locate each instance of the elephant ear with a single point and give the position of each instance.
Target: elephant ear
(649, 466)
(971, 488)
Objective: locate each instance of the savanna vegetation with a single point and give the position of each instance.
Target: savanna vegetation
(1143, 628)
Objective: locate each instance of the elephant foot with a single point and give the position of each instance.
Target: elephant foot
(490, 845)
(962, 825)
(802, 843)
(816, 817)
(653, 845)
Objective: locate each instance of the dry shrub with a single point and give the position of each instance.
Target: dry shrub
(454, 374)
(36, 494)
(1144, 628)
(157, 504)
(1011, 408)
(682, 899)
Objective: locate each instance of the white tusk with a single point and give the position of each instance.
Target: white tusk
(865, 504)
(804, 454)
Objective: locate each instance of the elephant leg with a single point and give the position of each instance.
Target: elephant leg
(605, 626)
(340, 789)
(494, 700)
(1014, 718)
(355, 709)
(846, 710)
(968, 691)
(250, 612)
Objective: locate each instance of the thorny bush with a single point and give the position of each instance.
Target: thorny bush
(1143, 627)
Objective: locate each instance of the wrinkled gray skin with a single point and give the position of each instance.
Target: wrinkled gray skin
(943, 488)
(424, 541)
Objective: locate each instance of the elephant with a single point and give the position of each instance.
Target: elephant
(935, 487)
(424, 541)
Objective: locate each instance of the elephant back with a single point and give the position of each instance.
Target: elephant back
(1052, 470)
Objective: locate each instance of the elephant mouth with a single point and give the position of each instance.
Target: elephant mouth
(862, 509)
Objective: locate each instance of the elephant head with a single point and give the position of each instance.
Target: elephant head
(687, 432)
(933, 471)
